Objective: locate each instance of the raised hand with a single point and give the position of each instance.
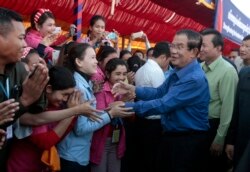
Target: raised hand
(34, 84)
(74, 99)
(7, 110)
(49, 39)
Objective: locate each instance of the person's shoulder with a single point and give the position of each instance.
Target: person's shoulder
(20, 69)
(245, 71)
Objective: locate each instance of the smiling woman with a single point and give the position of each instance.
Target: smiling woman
(41, 34)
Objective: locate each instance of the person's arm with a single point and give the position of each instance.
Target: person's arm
(227, 90)
(147, 43)
(179, 95)
(48, 139)
(233, 128)
(53, 116)
(62, 39)
(129, 48)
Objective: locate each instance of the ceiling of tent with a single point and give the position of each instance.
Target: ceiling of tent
(159, 19)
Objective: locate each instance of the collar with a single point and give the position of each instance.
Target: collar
(8, 69)
(185, 70)
(107, 86)
(213, 65)
(84, 75)
(82, 80)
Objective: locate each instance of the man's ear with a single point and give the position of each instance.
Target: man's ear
(49, 89)
(196, 51)
(219, 48)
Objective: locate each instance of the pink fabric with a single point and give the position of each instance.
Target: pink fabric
(99, 75)
(99, 137)
(33, 39)
(25, 154)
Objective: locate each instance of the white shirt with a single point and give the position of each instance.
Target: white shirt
(150, 75)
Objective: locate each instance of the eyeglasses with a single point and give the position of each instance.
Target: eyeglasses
(178, 47)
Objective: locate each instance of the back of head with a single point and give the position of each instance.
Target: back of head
(6, 18)
(139, 53)
(61, 78)
(134, 63)
(217, 39)
(148, 52)
(161, 48)
(246, 38)
(104, 52)
(194, 38)
(27, 56)
(123, 52)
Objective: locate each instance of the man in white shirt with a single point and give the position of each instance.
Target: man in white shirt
(148, 130)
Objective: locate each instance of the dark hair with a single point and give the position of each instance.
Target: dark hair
(161, 48)
(134, 63)
(139, 51)
(236, 50)
(150, 49)
(26, 59)
(6, 18)
(194, 38)
(61, 78)
(63, 55)
(217, 39)
(45, 15)
(113, 63)
(104, 52)
(123, 52)
(96, 18)
(246, 38)
(77, 51)
(93, 21)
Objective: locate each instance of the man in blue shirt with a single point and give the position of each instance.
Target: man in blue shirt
(182, 100)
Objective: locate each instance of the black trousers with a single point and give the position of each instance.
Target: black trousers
(182, 152)
(70, 166)
(149, 133)
(216, 163)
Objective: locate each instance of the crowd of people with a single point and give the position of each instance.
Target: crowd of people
(93, 107)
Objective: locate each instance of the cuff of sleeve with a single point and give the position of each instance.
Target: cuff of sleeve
(106, 118)
(219, 140)
(41, 49)
(129, 104)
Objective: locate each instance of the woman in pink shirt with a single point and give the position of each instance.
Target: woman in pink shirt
(108, 143)
(104, 54)
(41, 34)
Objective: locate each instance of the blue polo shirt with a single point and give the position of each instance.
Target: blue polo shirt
(182, 100)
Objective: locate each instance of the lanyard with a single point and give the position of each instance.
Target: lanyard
(6, 90)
